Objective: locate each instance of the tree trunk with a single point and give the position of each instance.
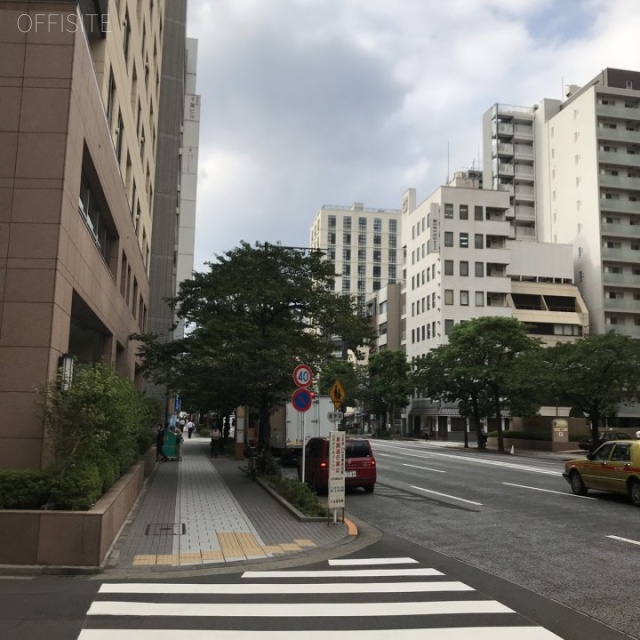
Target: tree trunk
(499, 418)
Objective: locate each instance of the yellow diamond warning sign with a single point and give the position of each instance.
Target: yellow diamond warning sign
(337, 393)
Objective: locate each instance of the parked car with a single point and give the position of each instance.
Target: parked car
(613, 467)
(605, 436)
(360, 464)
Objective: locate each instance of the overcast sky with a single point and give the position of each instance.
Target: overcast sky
(313, 102)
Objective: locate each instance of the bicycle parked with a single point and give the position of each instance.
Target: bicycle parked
(251, 454)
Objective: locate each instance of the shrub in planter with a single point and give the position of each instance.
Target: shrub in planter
(76, 489)
(299, 495)
(23, 489)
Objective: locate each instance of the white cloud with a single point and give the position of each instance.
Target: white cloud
(312, 102)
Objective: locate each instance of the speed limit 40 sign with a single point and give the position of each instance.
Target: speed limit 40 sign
(303, 376)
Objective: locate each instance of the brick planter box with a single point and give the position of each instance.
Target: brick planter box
(532, 445)
(72, 538)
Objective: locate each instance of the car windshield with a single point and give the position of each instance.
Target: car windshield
(358, 450)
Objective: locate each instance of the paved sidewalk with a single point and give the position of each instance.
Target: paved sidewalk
(199, 511)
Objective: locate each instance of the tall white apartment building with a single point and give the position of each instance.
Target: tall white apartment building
(363, 244)
(593, 164)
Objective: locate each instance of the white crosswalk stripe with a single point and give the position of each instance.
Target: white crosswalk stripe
(387, 600)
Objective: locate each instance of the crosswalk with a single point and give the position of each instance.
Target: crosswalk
(362, 599)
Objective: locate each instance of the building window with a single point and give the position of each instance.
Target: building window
(392, 273)
(376, 285)
(346, 223)
(377, 255)
(479, 298)
(393, 226)
(448, 210)
(464, 240)
(392, 256)
(448, 238)
(448, 296)
(346, 255)
(377, 225)
(362, 270)
(478, 241)
(464, 268)
(464, 212)
(362, 239)
(393, 242)
(377, 239)
(448, 267)
(448, 327)
(377, 271)
(346, 285)
(464, 298)
(91, 211)
(477, 213)
(362, 224)
(346, 238)
(332, 237)
(331, 221)
(479, 269)
(362, 255)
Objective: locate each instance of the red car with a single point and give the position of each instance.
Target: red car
(360, 464)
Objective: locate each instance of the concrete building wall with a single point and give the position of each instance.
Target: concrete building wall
(72, 276)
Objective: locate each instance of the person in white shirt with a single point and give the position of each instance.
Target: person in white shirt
(190, 426)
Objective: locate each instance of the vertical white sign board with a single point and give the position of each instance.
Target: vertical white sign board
(336, 471)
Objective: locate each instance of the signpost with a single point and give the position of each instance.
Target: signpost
(335, 495)
(301, 400)
(337, 394)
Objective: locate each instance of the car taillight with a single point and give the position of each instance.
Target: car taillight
(323, 465)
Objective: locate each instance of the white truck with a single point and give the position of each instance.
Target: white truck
(289, 425)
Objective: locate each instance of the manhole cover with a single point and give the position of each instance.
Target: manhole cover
(165, 529)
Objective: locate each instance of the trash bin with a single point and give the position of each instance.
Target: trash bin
(171, 446)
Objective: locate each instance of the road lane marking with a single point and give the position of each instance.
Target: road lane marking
(495, 463)
(346, 573)
(296, 609)
(624, 540)
(452, 633)
(261, 588)
(415, 466)
(445, 495)
(560, 493)
(371, 561)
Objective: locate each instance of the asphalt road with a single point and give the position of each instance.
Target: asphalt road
(515, 518)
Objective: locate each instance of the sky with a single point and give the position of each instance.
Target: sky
(308, 103)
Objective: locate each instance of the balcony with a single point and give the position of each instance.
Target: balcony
(618, 111)
(619, 158)
(619, 182)
(525, 213)
(621, 255)
(619, 206)
(621, 279)
(525, 233)
(524, 192)
(623, 230)
(622, 305)
(523, 151)
(524, 172)
(505, 129)
(523, 131)
(618, 135)
(504, 149)
(505, 169)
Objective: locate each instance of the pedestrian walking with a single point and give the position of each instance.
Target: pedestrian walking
(160, 444)
(190, 427)
(216, 437)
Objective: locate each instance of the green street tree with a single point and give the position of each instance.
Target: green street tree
(390, 382)
(252, 317)
(484, 368)
(595, 375)
(343, 370)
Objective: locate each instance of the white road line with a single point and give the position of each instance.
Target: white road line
(415, 466)
(560, 493)
(624, 540)
(266, 588)
(495, 463)
(295, 610)
(445, 495)
(346, 573)
(371, 561)
(453, 633)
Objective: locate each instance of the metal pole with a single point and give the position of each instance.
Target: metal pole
(304, 457)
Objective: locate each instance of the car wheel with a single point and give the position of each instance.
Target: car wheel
(368, 488)
(634, 493)
(577, 485)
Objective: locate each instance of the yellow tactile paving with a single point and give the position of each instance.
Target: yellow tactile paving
(190, 558)
(250, 545)
(273, 549)
(291, 547)
(230, 546)
(167, 559)
(305, 543)
(140, 560)
(208, 556)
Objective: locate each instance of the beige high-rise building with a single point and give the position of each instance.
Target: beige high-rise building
(79, 96)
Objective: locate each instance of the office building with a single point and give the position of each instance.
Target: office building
(79, 88)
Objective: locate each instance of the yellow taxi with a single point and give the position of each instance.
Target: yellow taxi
(612, 467)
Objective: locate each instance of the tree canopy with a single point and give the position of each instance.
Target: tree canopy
(389, 381)
(252, 317)
(595, 375)
(485, 369)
